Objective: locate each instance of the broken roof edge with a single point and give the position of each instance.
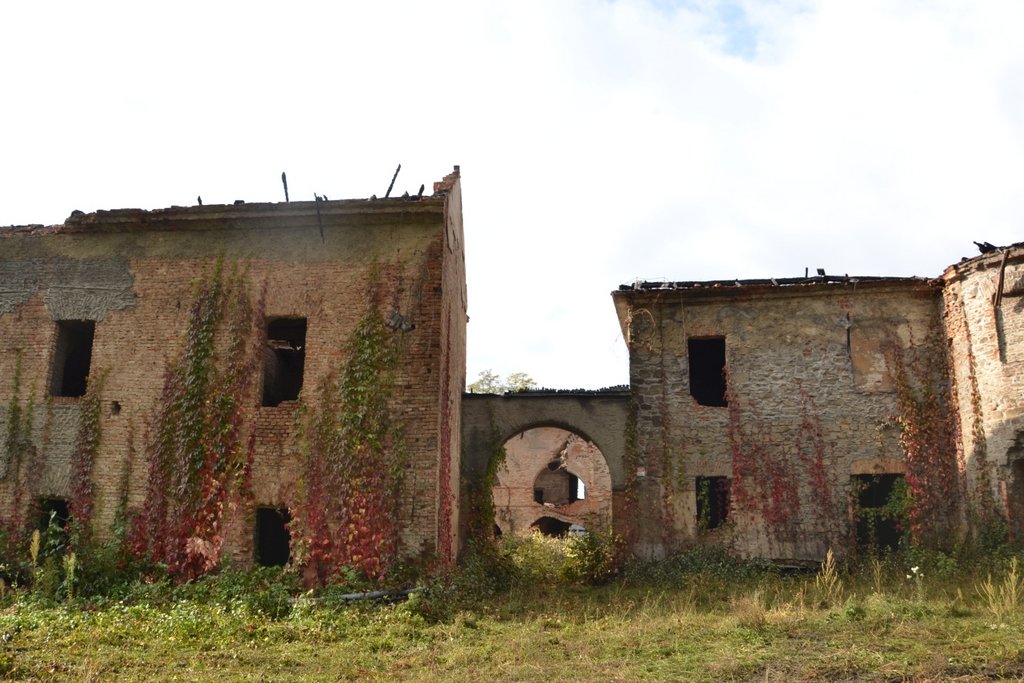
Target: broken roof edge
(1011, 253)
(614, 391)
(769, 284)
(80, 221)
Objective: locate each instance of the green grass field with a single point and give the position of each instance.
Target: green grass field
(697, 617)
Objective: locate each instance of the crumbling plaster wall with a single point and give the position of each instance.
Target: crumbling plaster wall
(133, 272)
(803, 364)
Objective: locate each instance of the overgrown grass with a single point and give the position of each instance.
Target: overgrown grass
(526, 610)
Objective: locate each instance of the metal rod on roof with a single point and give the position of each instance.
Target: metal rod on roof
(388, 193)
(1002, 273)
(284, 181)
(319, 222)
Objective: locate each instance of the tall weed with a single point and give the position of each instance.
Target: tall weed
(1002, 598)
(828, 587)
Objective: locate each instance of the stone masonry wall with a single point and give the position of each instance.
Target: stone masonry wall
(810, 401)
(985, 329)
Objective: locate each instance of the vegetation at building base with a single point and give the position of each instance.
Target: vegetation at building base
(514, 613)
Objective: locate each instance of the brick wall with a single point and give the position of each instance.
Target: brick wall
(527, 456)
(134, 272)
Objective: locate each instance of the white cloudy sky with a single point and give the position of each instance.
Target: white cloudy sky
(600, 142)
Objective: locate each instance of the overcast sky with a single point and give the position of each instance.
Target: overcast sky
(600, 142)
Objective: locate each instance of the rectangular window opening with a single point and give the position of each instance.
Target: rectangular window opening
(72, 357)
(284, 360)
(53, 511)
(556, 486)
(273, 540)
(712, 502)
(707, 370)
(880, 510)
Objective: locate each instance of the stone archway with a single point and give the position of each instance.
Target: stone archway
(555, 475)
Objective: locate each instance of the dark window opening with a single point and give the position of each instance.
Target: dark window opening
(881, 510)
(712, 502)
(284, 360)
(549, 526)
(72, 357)
(273, 539)
(558, 487)
(707, 370)
(497, 531)
(53, 511)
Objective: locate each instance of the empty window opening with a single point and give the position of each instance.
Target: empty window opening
(53, 511)
(549, 526)
(284, 360)
(707, 370)
(72, 357)
(881, 510)
(712, 502)
(273, 539)
(558, 487)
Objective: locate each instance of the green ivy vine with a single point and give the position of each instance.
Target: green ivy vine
(81, 503)
(352, 462)
(480, 497)
(196, 445)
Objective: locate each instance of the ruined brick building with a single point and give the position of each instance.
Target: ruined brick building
(786, 417)
(281, 292)
(273, 381)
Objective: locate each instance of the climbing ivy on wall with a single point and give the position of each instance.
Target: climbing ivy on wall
(18, 466)
(927, 437)
(765, 482)
(480, 498)
(195, 444)
(87, 441)
(352, 459)
(816, 457)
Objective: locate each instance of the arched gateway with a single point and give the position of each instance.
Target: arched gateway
(552, 480)
(553, 442)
